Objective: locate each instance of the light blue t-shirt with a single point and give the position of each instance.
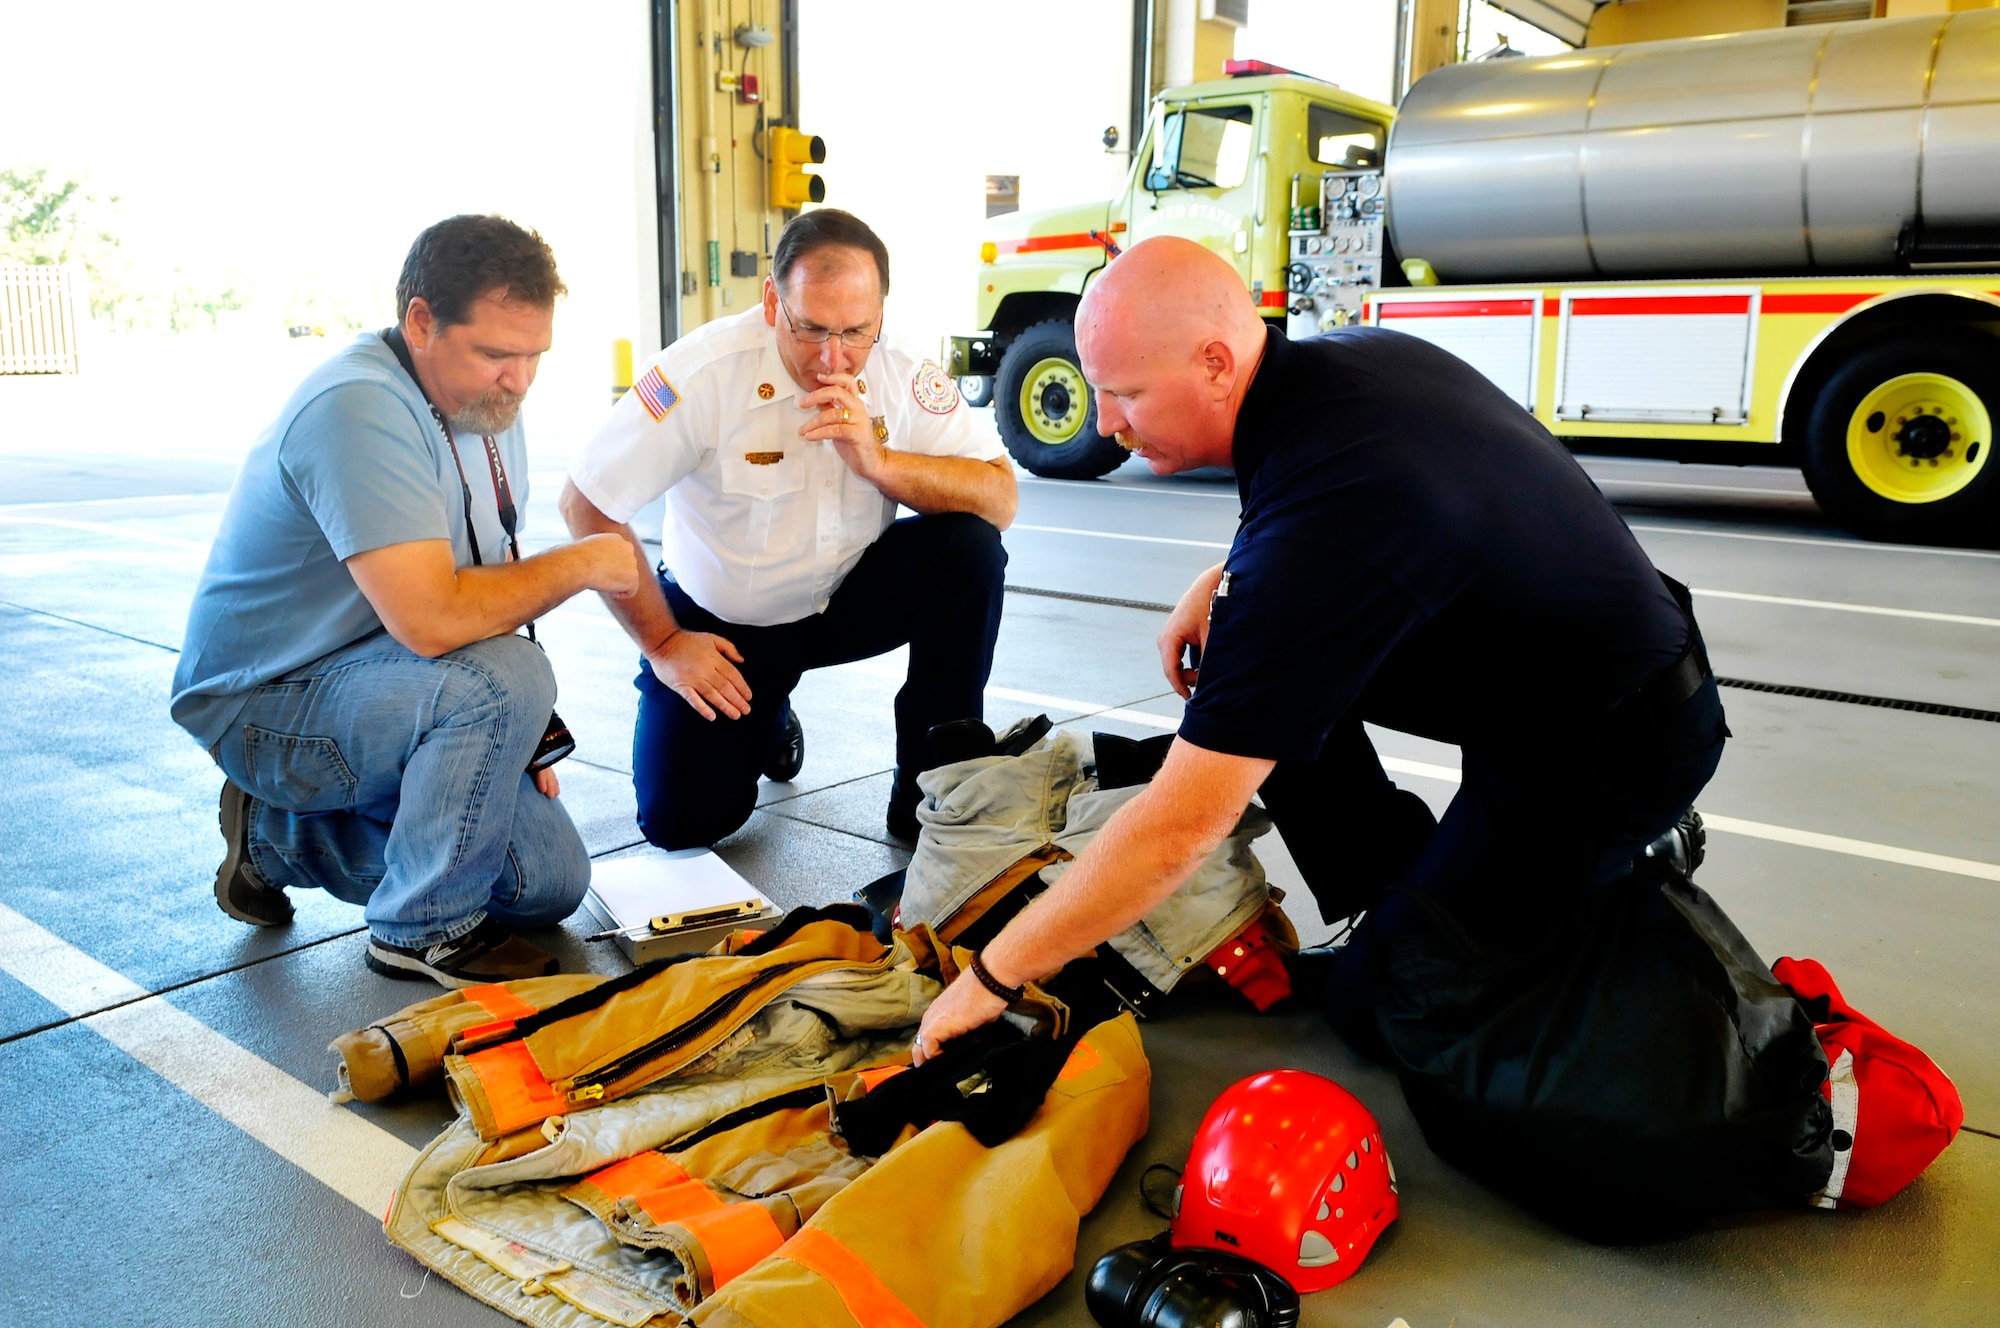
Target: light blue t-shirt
(354, 462)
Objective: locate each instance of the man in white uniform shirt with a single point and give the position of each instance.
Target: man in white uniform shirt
(785, 438)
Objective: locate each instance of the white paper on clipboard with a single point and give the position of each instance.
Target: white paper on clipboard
(637, 889)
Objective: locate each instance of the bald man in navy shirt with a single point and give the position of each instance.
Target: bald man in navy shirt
(1415, 551)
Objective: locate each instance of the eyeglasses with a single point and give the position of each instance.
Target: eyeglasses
(853, 338)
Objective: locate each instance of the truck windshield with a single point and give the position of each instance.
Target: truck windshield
(1342, 141)
(1202, 147)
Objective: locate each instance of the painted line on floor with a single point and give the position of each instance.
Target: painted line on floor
(356, 1159)
(1854, 848)
(104, 528)
(1734, 825)
(1602, 480)
(113, 502)
(1862, 545)
(1148, 491)
(873, 668)
(1777, 834)
(1837, 606)
(1112, 535)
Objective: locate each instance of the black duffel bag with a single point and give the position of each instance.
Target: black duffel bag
(1637, 1071)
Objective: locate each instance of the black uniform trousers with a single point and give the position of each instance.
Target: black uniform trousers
(933, 583)
(1540, 817)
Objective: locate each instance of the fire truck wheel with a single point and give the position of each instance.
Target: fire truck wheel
(1045, 411)
(976, 389)
(1899, 443)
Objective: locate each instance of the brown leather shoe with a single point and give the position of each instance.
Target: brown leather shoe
(239, 890)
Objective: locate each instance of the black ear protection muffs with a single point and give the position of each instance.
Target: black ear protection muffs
(1149, 1284)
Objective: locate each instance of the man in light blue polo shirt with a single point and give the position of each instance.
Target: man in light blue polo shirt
(352, 659)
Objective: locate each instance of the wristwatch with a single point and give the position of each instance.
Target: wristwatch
(881, 427)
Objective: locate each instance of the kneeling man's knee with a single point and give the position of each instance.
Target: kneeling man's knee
(971, 545)
(683, 817)
(515, 669)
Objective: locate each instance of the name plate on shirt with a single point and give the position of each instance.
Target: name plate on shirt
(763, 458)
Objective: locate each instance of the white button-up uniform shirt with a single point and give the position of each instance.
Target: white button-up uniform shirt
(762, 525)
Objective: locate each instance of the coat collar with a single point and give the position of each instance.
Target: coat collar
(771, 372)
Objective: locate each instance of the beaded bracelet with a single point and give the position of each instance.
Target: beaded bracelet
(993, 984)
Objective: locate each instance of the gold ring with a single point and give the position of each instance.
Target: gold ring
(843, 414)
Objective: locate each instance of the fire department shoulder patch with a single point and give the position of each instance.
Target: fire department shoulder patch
(934, 389)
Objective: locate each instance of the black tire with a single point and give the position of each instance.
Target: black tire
(1046, 413)
(1894, 480)
(976, 389)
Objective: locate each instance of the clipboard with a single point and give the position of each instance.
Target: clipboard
(656, 904)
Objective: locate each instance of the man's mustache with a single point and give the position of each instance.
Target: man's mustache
(1128, 440)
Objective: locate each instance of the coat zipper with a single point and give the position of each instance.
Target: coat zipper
(591, 1087)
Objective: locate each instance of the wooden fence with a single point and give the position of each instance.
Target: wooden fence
(37, 319)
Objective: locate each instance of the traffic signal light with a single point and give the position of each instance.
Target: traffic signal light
(787, 151)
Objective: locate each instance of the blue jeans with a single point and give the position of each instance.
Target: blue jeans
(398, 782)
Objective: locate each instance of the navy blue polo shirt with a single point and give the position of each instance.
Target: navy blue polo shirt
(1415, 549)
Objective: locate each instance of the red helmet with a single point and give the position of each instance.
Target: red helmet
(1287, 1169)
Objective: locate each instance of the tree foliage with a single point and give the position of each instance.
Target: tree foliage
(44, 220)
(50, 218)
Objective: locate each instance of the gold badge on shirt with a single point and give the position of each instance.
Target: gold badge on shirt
(861, 386)
(763, 458)
(765, 391)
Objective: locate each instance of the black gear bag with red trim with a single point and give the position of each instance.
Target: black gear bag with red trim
(1637, 1071)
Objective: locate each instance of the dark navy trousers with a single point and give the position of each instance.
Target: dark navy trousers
(1537, 820)
(933, 583)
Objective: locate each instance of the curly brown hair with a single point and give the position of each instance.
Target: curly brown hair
(462, 258)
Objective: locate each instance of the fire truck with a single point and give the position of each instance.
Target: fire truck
(1785, 239)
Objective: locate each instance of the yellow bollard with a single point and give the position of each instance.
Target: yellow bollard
(621, 367)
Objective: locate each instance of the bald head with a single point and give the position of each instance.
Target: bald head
(1170, 340)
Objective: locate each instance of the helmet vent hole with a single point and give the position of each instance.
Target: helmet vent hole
(1353, 1159)
(1324, 1210)
(1366, 1147)
(1316, 1251)
(1339, 1182)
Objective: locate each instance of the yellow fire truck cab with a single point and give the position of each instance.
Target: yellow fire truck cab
(1787, 238)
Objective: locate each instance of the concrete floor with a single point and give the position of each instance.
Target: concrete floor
(167, 1158)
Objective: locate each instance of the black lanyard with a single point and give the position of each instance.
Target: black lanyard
(503, 493)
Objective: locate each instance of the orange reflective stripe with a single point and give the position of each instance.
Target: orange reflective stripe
(866, 1296)
(871, 1079)
(515, 1087)
(641, 1171)
(497, 1001)
(478, 1034)
(677, 1203)
(734, 1236)
(657, 1184)
(1081, 1061)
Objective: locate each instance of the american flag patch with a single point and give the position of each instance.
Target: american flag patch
(656, 394)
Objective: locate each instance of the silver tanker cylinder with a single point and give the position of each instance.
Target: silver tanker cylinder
(1867, 146)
